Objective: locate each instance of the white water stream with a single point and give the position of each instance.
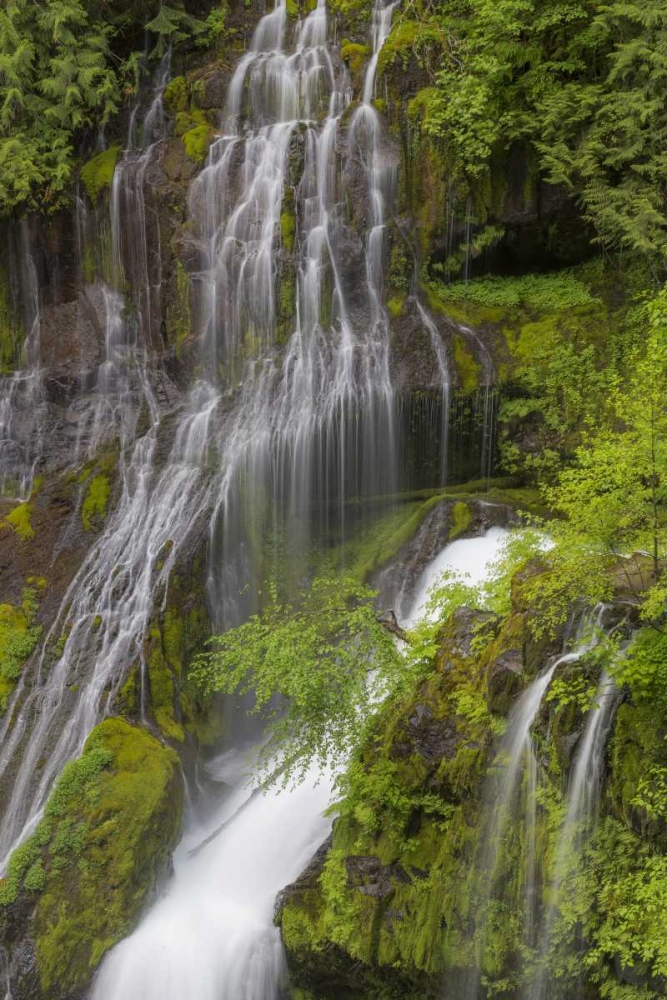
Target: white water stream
(212, 936)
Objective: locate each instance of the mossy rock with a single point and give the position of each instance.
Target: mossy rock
(468, 368)
(638, 743)
(78, 885)
(461, 519)
(97, 173)
(18, 637)
(287, 228)
(96, 502)
(196, 141)
(402, 843)
(400, 45)
(19, 520)
(175, 635)
(176, 95)
(355, 56)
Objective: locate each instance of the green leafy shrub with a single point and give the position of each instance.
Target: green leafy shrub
(541, 292)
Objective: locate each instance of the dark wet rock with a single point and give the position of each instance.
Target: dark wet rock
(464, 626)
(371, 878)
(432, 738)
(505, 680)
(309, 877)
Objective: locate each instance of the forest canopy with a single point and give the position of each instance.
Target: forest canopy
(581, 83)
(66, 66)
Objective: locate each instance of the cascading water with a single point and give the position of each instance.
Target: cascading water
(582, 805)
(468, 561)
(212, 934)
(22, 401)
(131, 215)
(106, 609)
(317, 425)
(122, 390)
(440, 352)
(303, 434)
(510, 804)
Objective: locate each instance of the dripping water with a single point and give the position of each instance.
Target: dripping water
(581, 816)
(23, 408)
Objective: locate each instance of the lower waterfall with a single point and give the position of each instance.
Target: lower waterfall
(211, 935)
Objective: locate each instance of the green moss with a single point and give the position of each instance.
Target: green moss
(163, 688)
(396, 306)
(287, 229)
(18, 638)
(186, 121)
(174, 637)
(355, 56)
(286, 304)
(411, 815)
(19, 519)
(636, 745)
(179, 319)
(176, 97)
(94, 508)
(375, 546)
(196, 142)
(468, 368)
(107, 833)
(460, 520)
(97, 173)
(129, 697)
(399, 46)
(462, 311)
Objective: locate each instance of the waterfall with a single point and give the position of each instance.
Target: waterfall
(468, 560)
(301, 432)
(440, 352)
(510, 809)
(318, 425)
(212, 936)
(22, 400)
(582, 806)
(106, 609)
(290, 415)
(503, 802)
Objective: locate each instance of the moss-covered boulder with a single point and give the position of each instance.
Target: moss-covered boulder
(78, 885)
(380, 911)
